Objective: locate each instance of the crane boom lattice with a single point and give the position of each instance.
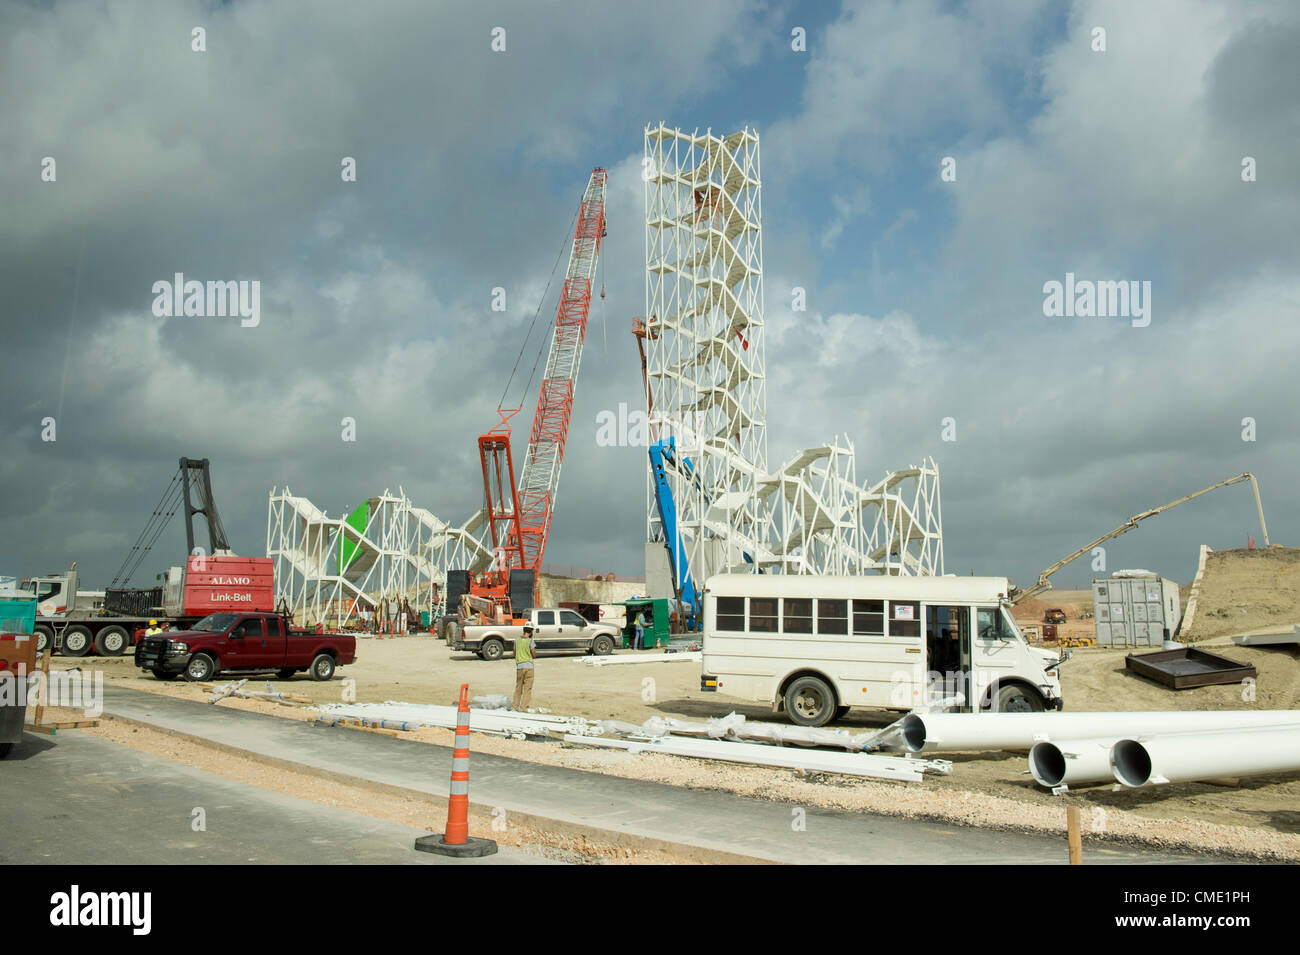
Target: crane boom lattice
(525, 514)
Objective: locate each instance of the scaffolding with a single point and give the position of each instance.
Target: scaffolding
(385, 557)
(706, 388)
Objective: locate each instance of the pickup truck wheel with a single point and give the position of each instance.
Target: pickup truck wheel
(76, 641)
(44, 637)
(491, 649)
(287, 673)
(809, 701)
(602, 646)
(164, 675)
(322, 668)
(111, 641)
(201, 668)
(4, 749)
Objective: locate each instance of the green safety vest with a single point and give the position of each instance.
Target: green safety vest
(524, 650)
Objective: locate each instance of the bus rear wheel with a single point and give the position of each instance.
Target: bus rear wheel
(809, 701)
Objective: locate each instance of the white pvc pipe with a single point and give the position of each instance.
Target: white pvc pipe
(1186, 757)
(958, 732)
(1071, 762)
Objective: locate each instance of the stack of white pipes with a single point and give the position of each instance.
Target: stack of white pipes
(1134, 749)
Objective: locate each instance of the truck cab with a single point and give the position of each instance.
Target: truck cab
(55, 594)
(243, 641)
(554, 629)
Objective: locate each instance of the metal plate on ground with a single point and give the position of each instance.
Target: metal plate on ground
(1268, 638)
(1188, 667)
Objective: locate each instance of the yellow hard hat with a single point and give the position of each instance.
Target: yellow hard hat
(153, 623)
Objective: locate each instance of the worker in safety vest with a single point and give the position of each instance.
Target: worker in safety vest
(153, 629)
(523, 669)
(641, 621)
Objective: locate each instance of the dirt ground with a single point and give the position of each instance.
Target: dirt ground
(1246, 590)
(1077, 605)
(1261, 815)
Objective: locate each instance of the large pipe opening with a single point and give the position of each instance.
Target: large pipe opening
(913, 732)
(1131, 763)
(1047, 764)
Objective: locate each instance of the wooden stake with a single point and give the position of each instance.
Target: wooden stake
(1076, 841)
(45, 686)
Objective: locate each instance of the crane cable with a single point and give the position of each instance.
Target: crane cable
(173, 504)
(568, 242)
(158, 520)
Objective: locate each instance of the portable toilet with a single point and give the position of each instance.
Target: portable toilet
(17, 607)
(658, 633)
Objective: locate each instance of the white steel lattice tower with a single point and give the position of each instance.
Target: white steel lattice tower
(706, 388)
(705, 365)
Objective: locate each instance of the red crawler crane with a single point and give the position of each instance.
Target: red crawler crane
(519, 515)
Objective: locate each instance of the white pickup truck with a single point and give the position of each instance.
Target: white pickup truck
(553, 630)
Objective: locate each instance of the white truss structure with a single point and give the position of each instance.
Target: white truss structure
(402, 554)
(706, 387)
(903, 522)
(704, 330)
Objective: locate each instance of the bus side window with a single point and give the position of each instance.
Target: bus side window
(868, 618)
(798, 615)
(833, 617)
(762, 614)
(905, 618)
(731, 614)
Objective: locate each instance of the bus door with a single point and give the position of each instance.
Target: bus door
(948, 653)
(997, 651)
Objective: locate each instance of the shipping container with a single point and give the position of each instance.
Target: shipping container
(1135, 609)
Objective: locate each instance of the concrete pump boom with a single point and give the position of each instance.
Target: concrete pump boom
(1044, 582)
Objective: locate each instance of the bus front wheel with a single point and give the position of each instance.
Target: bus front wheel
(1016, 699)
(809, 701)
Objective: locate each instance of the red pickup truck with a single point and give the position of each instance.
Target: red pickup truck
(230, 640)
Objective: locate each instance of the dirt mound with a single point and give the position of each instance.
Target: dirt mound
(1075, 603)
(1245, 590)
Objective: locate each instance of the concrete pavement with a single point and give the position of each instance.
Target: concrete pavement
(76, 799)
(711, 820)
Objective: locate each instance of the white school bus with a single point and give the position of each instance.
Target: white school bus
(815, 646)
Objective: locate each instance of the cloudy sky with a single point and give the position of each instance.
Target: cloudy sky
(925, 296)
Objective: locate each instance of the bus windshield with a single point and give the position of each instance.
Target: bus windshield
(991, 623)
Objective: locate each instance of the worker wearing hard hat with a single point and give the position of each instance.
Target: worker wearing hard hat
(153, 629)
(523, 669)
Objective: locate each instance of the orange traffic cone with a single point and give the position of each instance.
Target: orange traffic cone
(457, 841)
